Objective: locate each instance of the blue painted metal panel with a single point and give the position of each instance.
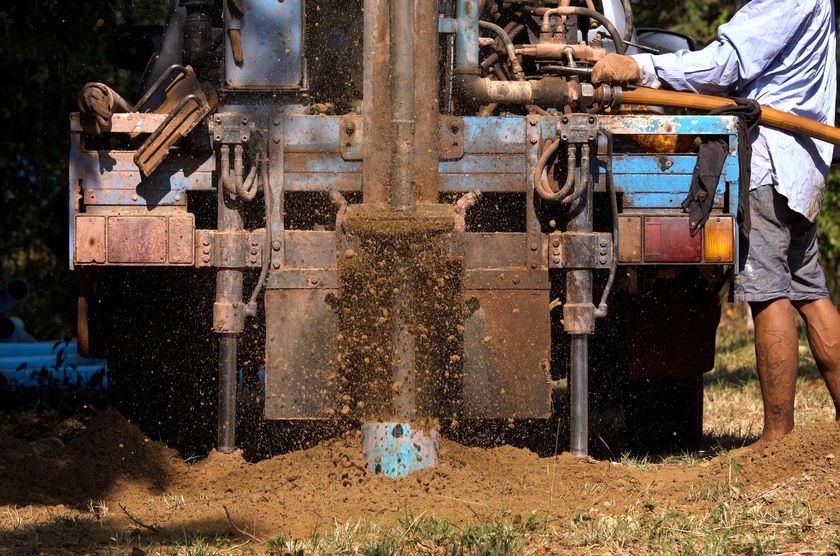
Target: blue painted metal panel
(272, 42)
(486, 164)
(495, 135)
(306, 134)
(330, 163)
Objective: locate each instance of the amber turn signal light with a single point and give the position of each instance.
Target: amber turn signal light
(719, 240)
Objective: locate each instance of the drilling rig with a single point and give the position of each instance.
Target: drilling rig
(399, 213)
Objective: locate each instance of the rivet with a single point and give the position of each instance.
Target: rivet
(602, 242)
(276, 264)
(556, 242)
(177, 198)
(516, 279)
(253, 250)
(206, 241)
(276, 245)
(602, 260)
(217, 118)
(206, 250)
(134, 197)
(349, 127)
(533, 140)
(206, 258)
(565, 119)
(244, 119)
(313, 280)
(218, 137)
(534, 264)
(276, 120)
(244, 138)
(534, 245)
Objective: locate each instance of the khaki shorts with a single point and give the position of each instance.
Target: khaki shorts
(780, 259)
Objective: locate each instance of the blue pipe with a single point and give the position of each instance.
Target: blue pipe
(466, 37)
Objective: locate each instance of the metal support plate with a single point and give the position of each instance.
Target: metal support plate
(507, 339)
(301, 381)
(580, 250)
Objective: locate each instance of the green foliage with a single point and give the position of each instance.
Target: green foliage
(49, 50)
(696, 18)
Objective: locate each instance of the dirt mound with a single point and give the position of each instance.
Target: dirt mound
(309, 490)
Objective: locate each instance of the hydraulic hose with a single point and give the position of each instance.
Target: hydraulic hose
(620, 46)
(769, 116)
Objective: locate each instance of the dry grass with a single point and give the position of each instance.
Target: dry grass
(722, 519)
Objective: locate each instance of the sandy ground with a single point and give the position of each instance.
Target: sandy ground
(111, 480)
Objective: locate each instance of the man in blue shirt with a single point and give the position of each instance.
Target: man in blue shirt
(782, 54)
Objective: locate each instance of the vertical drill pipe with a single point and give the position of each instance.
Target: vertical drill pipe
(579, 390)
(579, 292)
(403, 195)
(228, 290)
(405, 403)
(427, 137)
(376, 100)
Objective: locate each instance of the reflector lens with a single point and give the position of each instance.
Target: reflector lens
(719, 239)
(668, 240)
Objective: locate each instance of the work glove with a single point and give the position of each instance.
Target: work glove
(100, 101)
(614, 69)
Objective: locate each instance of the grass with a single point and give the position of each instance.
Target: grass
(719, 518)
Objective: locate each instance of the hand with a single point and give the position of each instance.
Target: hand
(615, 69)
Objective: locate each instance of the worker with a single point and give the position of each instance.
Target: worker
(782, 54)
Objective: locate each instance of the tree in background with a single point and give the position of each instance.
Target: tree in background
(49, 50)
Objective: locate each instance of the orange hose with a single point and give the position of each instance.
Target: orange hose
(769, 116)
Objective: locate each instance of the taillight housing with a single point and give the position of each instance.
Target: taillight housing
(667, 240)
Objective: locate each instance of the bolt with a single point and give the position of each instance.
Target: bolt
(603, 251)
(244, 138)
(217, 119)
(177, 198)
(313, 280)
(564, 136)
(276, 264)
(565, 119)
(253, 250)
(533, 245)
(244, 120)
(516, 279)
(454, 128)
(349, 127)
(275, 138)
(602, 260)
(532, 120)
(206, 250)
(276, 120)
(533, 140)
(591, 137)
(556, 242)
(534, 264)
(218, 137)
(134, 197)
(206, 258)
(206, 241)
(592, 120)
(276, 245)
(602, 242)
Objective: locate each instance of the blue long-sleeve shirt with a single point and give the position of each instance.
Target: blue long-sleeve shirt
(782, 54)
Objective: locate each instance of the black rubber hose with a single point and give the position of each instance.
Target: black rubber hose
(628, 21)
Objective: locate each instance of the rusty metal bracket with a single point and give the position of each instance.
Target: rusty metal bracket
(578, 128)
(228, 317)
(579, 318)
(351, 137)
(580, 250)
(451, 138)
(232, 128)
(243, 249)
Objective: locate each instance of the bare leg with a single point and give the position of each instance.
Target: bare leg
(777, 360)
(823, 323)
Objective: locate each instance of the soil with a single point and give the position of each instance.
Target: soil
(110, 470)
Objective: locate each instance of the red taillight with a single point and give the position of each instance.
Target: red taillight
(668, 240)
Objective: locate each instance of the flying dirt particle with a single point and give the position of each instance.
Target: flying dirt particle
(395, 291)
(454, 358)
(397, 387)
(516, 310)
(487, 339)
(503, 391)
(349, 253)
(329, 411)
(450, 338)
(345, 409)
(340, 337)
(454, 424)
(460, 328)
(360, 404)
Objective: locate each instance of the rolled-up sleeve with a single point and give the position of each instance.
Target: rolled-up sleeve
(744, 49)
